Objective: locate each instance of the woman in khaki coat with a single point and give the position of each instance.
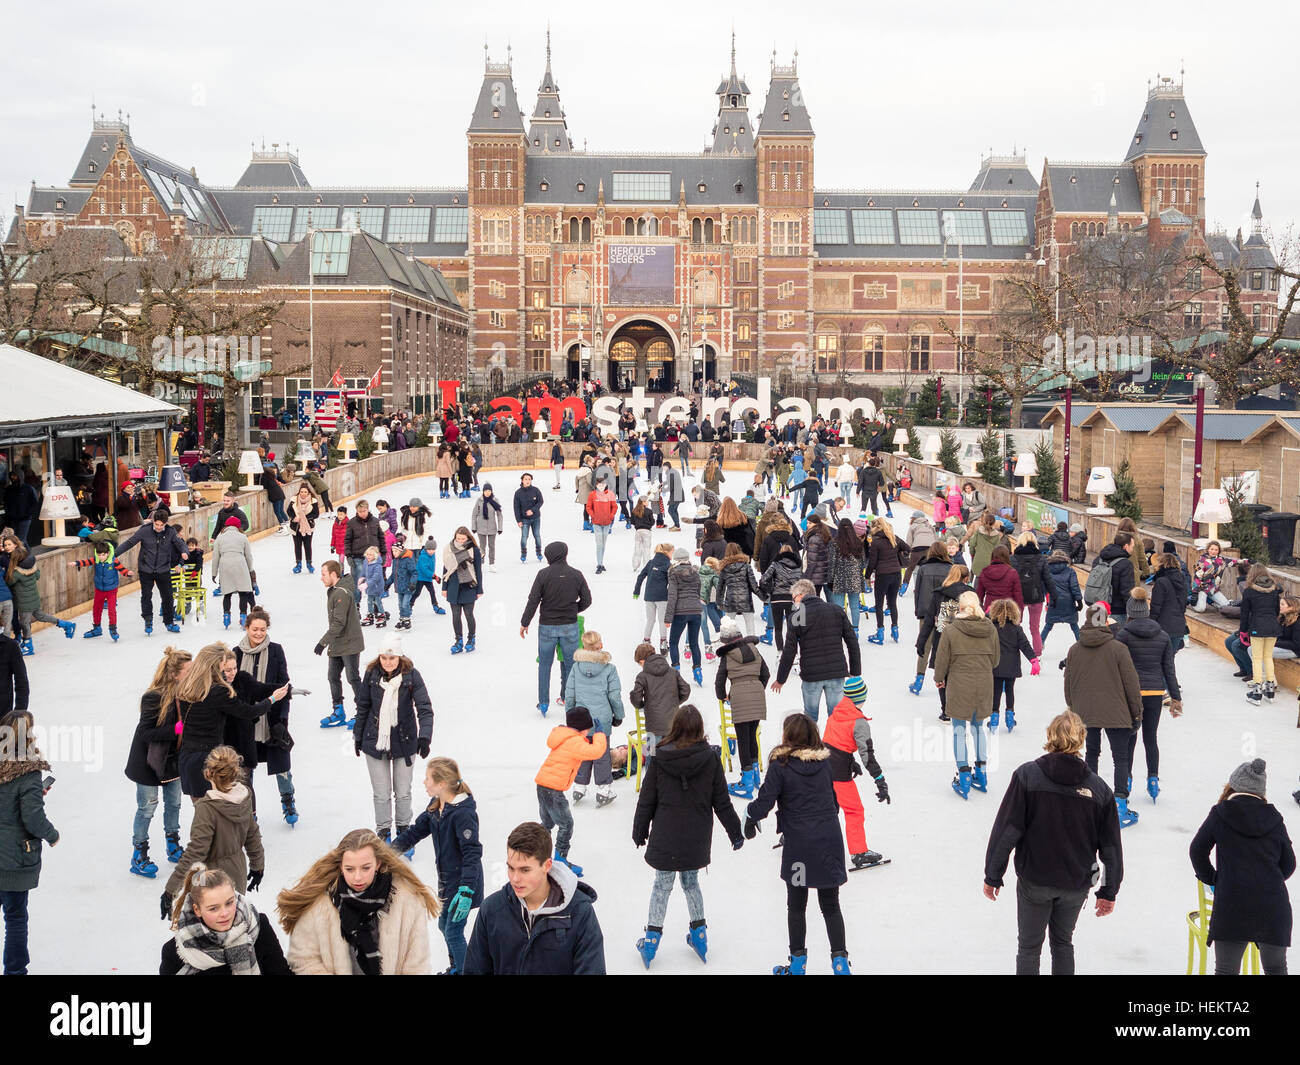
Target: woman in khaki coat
(359, 911)
(742, 678)
(963, 667)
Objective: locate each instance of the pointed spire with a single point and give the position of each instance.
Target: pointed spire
(1255, 211)
(733, 51)
(548, 131)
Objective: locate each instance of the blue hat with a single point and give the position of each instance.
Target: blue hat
(855, 688)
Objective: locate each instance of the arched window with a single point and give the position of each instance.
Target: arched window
(539, 328)
(573, 231)
(629, 227)
(586, 231)
(708, 231)
(623, 350)
(697, 231)
(659, 351)
(647, 226)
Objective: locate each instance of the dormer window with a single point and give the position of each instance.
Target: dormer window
(1172, 115)
(548, 113)
(726, 129)
(1173, 134)
(543, 184)
(1074, 180)
(365, 199)
(93, 168)
(742, 129)
(496, 112)
(733, 101)
(785, 95)
(537, 142)
(702, 187)
(582, 186)
(1115, 180)
(785, 116)
(961, 203)
(1004, 203)
(275, 199)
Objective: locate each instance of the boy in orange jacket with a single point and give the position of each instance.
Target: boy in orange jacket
(847, 732)
(570, 747)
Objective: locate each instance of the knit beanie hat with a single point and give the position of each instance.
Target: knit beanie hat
(728, 630)
(1076, 528)
(1139, 607)
(416, 503)
(1058, 556)
(855, 688)
(681, 555)
(1169, 548)
(431, 544)
(232, 520)
(578, 718)
(391, 644)
(1249, 777)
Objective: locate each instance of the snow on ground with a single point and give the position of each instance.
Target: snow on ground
(923, 913)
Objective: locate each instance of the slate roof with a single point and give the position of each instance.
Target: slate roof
(273, 173)
(1134, 418)
(784, 113)
(935, 202)
(548, 127)
(1166, 125)
(44, 201)
(562, 171)
(497, 94)
(1088, 187)
(1004, 174)
(1222, 425)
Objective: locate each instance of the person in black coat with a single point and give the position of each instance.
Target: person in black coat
(14, 689)
(1253, 860)
(1030, 565)
(542, 921)
(1013, 642)
(1169, 598)
(817, 630)
(157, 729)
(1061, 821)
(205, 699)
(267, 740)
(1153, 658)
(799, 786)
(390, 756)
(683, 789)
(212, 928)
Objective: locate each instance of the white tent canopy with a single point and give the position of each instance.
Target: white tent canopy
(41, 396)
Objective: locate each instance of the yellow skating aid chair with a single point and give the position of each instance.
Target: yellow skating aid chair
(637, 741)
(1198, 932)
(188, 591)
(727, 734)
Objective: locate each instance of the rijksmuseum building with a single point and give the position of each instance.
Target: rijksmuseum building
(657, 268)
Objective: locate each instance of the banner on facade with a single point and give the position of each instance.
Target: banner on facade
(641, 274)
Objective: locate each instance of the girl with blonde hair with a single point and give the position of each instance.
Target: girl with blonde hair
(358, 911)
(151, 762)
(217, 932)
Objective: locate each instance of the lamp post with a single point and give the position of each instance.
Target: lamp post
(1200, 441)
(1069, 391)
(952, 234)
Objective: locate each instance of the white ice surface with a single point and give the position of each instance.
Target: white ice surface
(923, 913)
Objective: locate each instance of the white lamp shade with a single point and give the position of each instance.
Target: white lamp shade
(1213, 507)
(900, 437)
(931, 445)
(59, 504)
(1101, 482)
(305, 453)
(379, 435)
(1026, 465)
(250, 462)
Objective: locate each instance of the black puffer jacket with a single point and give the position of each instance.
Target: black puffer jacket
(778, 578)
(798, 784)
(1030, 564)
(885, 557)
(1259, 610)
(771, 547)
(1253, 860)
(682, 790)
(560, 590)
(736, 582)
(1169, 601)
(414, 716)
(817, 559)
(1153, 655)
(654, 575)
(926, 579)
(820, 633)
(1013, 643)
(147, 731)
(1121, 576)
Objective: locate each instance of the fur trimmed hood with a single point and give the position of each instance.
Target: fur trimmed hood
(13, 768)
(599, 657)
(803, 754)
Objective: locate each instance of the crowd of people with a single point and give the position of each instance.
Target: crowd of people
(782, 559)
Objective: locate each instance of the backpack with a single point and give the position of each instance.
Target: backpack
(1099, 583)
(947, 609)
(604, 508)
(1031, 584)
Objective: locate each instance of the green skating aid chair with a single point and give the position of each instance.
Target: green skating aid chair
(582, 628)
(636, 741)
(727, 734)
(1198, 932)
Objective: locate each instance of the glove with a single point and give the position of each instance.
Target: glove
(736, 844)
(1175, 708)
(873, 768)
(1244, 637)
(636, 595)
(255, 878)
(882, 791)
(165, 906)
(640, 841)
(459, 906)
(280, 737)
(256, 589)
(751, 827)
(356, 749)
(319, 649)
(1035, 667)
(423, 748)
(617, 721)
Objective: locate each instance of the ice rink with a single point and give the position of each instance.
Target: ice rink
(924, 913)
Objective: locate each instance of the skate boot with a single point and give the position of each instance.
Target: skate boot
(1011, 720)
(311, 568)
(747, 786)
(766, 638)
(1126, 816)
(336, 718)
(893, 633)
(578, 795)
(439, 609)
(70, 628)
(225, 620)
(1153, 787)
(865, 860)
(458, 647)
(1255, 694)
(174, 848)
(979, 779)
(148, 626)
(962, 781)
(366, 621)
(916, 685)
(90, 634)
(709, 656)
(902, 588)
(409, 853)
(877, 637)
(698, 674)
(171, 626)
(993, 722)
(469, 644)
(605, 795)
(140, 863)
(698, 939)
(576, 869)
(856, 635)
(288, 809)
(381, 621)
(663, 647)
(28, 648)
(1270, 690)
(798, 965)
(112, 631)
(297, 567)
(243, 619)
(840, 960)
(648, 945)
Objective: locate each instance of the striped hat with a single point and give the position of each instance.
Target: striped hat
(855, 688)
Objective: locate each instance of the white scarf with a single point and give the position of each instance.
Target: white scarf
(199, 948)
(388, 710)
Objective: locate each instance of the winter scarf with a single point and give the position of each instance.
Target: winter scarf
(359, 920)
(200, 948)
(253, 661)
(460, 560)
(489, 501)
(388, 709)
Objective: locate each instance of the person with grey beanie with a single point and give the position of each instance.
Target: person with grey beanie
(1253, 860)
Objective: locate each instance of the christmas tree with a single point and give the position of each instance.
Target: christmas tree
(990, 468)
(913, 444)
(1124, 500)
(1243, 532)
(949, 453)
(1047, 481)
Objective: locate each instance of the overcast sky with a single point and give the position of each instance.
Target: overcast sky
(900, 96)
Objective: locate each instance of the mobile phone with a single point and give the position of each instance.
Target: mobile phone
(47, 783)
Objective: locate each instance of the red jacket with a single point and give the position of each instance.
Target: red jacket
(337, 534)
(997, 580)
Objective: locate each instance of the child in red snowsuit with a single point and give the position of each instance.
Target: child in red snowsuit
(339, 532)
(848, 732)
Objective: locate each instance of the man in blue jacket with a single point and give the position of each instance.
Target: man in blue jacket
(160, 549)
(540, 923)
(528, 516)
